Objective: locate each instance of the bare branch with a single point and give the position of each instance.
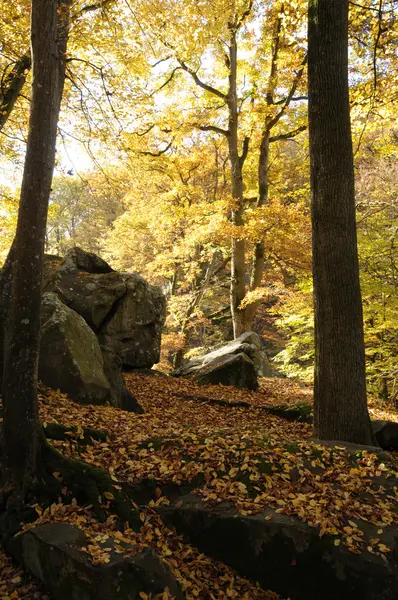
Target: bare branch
(290, 95)
(168, 80)
(91, 8)
(158, 62)
(295, 99)
(159, 153)
(363, 7)
(144, 132)
(212, 128)
(289, 135)
(200, 83)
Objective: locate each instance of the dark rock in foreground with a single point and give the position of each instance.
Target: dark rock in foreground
(53, 554)
(286, 555)
(386, 434)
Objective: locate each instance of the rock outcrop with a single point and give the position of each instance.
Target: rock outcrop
(237, 363)
(231, 369)
(133, 328)
(97, 322)
(53, 553)
(285, 554)
(70, 356)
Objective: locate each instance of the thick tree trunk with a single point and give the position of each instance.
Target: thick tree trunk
(21, 429)
(340, 386)
(238, 268)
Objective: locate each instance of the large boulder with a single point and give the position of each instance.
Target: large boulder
(133, 329)
(231, 369)
(126, 312)
(247, 344)
(70, 356)
(285, 554)
(97, 322)
(54, 554)
(85, 261)
(92, 295)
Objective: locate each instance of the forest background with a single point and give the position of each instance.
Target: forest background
(184, 125)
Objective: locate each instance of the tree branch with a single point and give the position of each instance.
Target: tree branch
(11, 86)
(245, 14)
(91, 8)
(156, 154)
(290, 95)
(289, 135)
(212, 128)
(379, 32)
(168, 80)
(295, 99)
(363, 7)
(200, 83)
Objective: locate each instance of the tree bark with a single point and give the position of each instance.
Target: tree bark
(258, 260)
(238, 269)
(340, 409)
(22, 433)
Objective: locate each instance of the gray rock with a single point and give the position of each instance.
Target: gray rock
(249, 343)
(53, 553)
(286, 555)
(91, 295)
(78, 259)
(70, 357)
(231, 369)
(125, 311)
(134, 329)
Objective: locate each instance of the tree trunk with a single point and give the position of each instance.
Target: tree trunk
(238, 270)
(21, 430)
(258, 254)
(340, 409)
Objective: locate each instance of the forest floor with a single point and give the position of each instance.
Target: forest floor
(224, 444)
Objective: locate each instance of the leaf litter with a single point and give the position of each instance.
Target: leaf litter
(255, 461)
